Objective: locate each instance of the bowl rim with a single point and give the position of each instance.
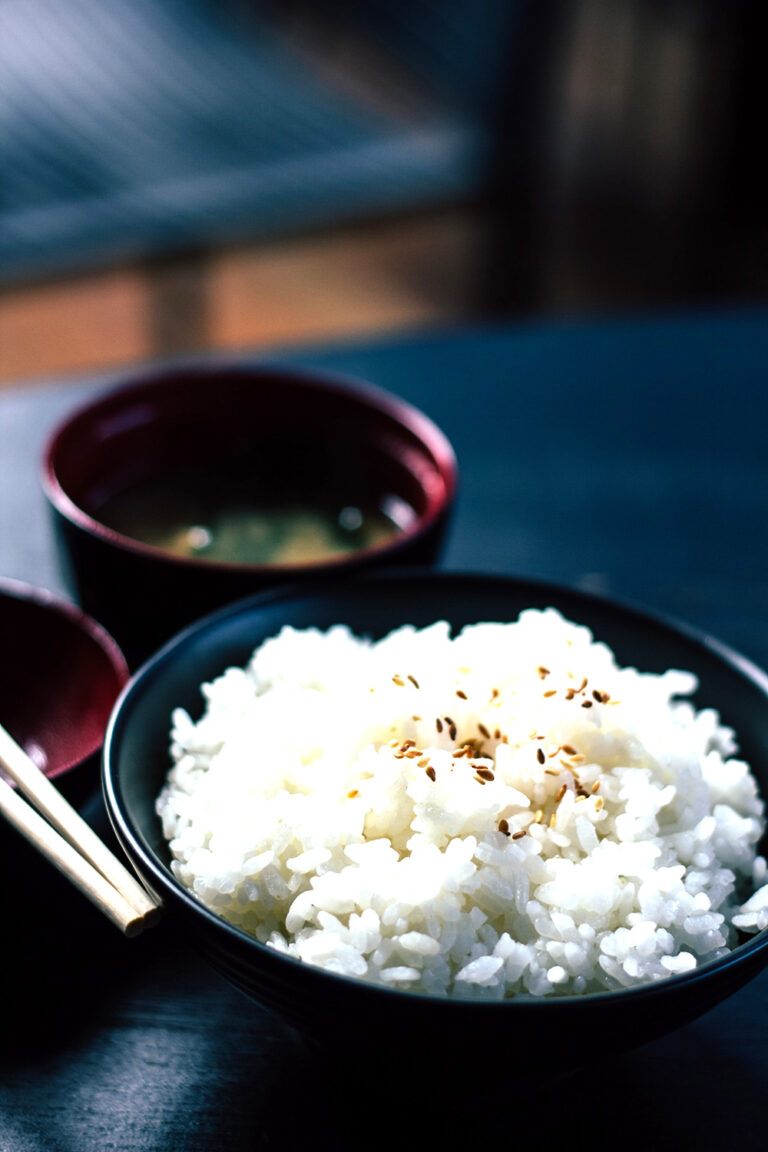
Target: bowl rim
(368, 395)
(12, 589)
(160, 876)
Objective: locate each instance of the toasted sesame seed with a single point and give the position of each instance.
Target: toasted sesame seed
(539, 816)
(494, 693)
(577, 758)
(551, 692)
(413, 753)
(406, 744)
(452, 731)
(561, 793)
(424, 761)
(517, 835)
(399, 681)
(439, 724)
(483, 731)
(597, 695)
(351, 795)
(551, 771)
(540, 756)
(599, 802)
(461, 695)
(552, 819)
(415, 717)
(586, 704)
(413, 680)
(568, 749)
(542, 671)
(478, 778)
(497, 734)
(486, 773)
(504, 827)
(431, 773)
(595, 786)
(393, 743)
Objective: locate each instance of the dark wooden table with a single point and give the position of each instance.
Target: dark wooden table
(627, 456)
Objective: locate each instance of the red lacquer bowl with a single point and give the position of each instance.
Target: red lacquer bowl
(290, 430)
(59, 677)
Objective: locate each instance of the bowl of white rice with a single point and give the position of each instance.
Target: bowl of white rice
(436, 810)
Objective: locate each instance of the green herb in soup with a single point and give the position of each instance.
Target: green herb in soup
(210, 524)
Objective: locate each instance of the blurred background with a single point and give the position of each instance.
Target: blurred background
(219, 175)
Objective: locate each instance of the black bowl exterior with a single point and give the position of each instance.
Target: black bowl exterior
(556, 1034)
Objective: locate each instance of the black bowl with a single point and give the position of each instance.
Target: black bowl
(257, 434)
(557, 1034)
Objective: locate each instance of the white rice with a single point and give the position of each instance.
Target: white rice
(597, 833)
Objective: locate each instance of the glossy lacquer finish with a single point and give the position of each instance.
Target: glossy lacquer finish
(336, 1011)
(297, 430)
(60, 674)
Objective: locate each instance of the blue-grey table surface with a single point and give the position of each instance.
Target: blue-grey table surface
(623, 454)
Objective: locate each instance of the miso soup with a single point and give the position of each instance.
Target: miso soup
(200, 517)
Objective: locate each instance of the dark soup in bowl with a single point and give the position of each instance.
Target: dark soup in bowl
(187, 488)
(220, 518)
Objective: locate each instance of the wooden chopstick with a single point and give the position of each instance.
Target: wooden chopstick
(74, 866)
(96, 871)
